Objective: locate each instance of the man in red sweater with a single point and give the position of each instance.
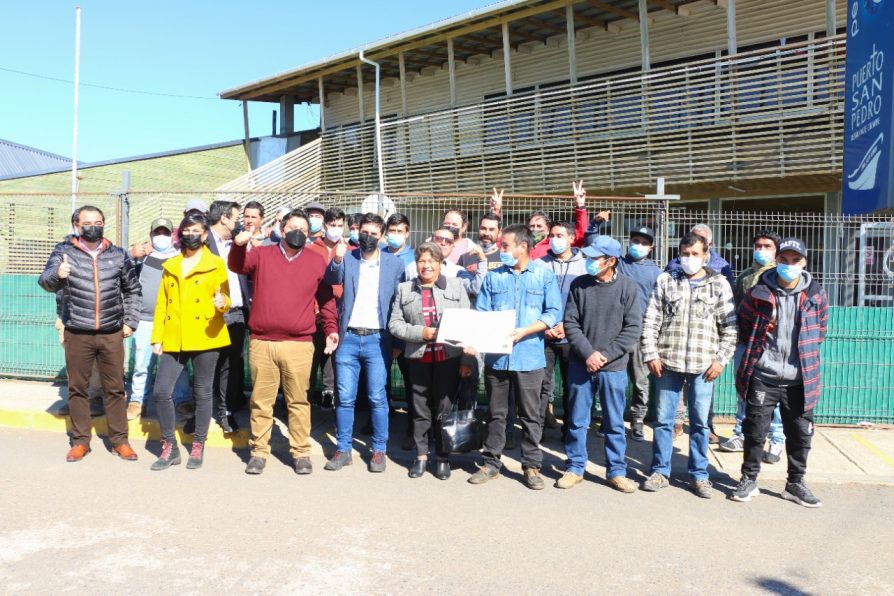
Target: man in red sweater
(288, 284)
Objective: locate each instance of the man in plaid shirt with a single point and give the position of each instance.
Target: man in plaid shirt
(689, 335)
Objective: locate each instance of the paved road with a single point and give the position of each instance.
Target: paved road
(114, 527)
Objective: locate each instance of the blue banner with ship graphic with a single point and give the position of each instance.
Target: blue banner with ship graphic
(868, 169)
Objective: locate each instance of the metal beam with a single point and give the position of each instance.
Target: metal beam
(831, 24)
(507, 59)
(731, 44)
(287, 114)
(572, 38)
(621, 12)
(451, 73)
(322, 105)
(403, 83)
(360, 92)
(644, 36)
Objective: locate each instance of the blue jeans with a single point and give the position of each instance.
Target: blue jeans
(777, 436)
(699, 393)
(370, 353)
(144, 361)
(612, 388)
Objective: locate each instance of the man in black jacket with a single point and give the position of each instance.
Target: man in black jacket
(100, 308)
(603, 323)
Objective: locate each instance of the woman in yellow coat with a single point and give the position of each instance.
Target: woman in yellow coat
(189, 326)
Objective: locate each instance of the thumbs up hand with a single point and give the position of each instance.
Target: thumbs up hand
(64, 268)
(340, 250)
(244, 236)
(219, 301)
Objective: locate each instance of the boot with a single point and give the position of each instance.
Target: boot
(550, 421)
(170, 456)
(196, 456)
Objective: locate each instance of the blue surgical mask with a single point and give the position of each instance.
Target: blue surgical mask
(162, 243)
(558, 245)
(354, 236)
(395, 240)
(638, 251)
(593, 267)
(762, 257)
(789, 273)
(508, 259)
(315, 224)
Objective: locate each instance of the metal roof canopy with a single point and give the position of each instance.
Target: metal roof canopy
(474, 33)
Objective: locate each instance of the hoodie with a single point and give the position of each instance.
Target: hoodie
(780, 363)
(565, 272)
(644, 272)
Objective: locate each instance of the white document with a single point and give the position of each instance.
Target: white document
(487, 332)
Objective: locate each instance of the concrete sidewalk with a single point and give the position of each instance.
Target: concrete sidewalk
(839, 454)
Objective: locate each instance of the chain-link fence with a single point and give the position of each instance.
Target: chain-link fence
(851, 256)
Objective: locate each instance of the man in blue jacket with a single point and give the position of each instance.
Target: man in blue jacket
(370, 278)
(532, 292)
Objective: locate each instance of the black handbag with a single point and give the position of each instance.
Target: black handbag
(461, 430)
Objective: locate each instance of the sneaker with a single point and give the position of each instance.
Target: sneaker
(377, 462)
(511, 442)
(797, 492)
(255, 466)
(568, 480)
(533, 479)
(746, 489)
(327, 401)
(339, 460)
(636, 431)
(655, 483)
(484, 474)
(228, 424)
(134, 410)
(773, 454)
(303, 465)
(196, 456)
(702, 488)
(599, 433)
(678, 429)
(170, 456)
(622, 484)
(735, 444)
(713, 439)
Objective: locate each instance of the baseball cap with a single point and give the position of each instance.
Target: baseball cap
(315, 206)
(603, 246)
(643, 231)
(161, 222)
(793, 244)
(196, 205)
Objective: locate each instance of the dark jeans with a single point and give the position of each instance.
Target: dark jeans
(230, 371)
(555, 353)
(434, 388)
(638, 373)
(170, 365)
(82, 350)
(526, 385)
(321, 361)
(403, 366)
(797, 425)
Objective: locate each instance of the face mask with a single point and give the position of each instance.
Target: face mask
(762, 257)
(789, 273)
(558, 245)
(593, 267)
(508, 259)
(485, 243)
(275, 236)
(190, 241)
(295, 239)
(334, 234)
(162, 243)
(316, 224)
(538, 236)
(354, 237)
(638, 251)
(396, 240)
(92, 233)
(368, 243)
(453, 229)
(691, 265)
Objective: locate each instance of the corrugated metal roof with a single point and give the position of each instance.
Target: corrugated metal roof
(19, 159)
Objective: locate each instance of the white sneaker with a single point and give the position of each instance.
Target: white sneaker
(773, 454)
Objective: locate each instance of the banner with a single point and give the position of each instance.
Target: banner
(868, 169)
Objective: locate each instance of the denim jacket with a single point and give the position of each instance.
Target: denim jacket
(534, 295)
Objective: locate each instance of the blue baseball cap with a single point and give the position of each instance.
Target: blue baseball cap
(603, 246)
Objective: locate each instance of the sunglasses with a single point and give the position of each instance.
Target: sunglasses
(442, 240)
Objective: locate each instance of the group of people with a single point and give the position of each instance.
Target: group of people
(319, 290)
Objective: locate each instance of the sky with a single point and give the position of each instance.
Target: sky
(194, 48)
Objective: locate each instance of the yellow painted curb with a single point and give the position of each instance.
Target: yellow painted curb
(146, 429)
(874, 450)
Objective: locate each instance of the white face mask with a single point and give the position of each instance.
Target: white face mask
(161, 243)
(691, 265)
(334, 234)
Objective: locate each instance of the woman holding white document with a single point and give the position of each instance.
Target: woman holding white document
(435, 369)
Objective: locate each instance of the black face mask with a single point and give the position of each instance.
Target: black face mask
(368, 243)
(190, 241)
(453, 229)
(295, 239)
(91, 233)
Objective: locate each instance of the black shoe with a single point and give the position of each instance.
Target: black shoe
(255, 466)
(746, 489)
(798, 492)
(189, 426)
(636, 431)
(418, 468)
(442, 469)
(303, 465)
(228, 424)
(327, 401)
